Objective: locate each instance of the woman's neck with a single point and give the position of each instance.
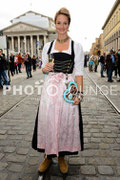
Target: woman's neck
(61, 37)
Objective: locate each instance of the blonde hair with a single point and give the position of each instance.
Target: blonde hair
(65, 12)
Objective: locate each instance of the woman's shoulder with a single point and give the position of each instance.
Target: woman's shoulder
(77, 45)
(46, 45)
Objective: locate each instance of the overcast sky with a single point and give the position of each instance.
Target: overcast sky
(88, 16)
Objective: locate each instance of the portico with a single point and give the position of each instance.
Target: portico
(31, 44)
(28, 33)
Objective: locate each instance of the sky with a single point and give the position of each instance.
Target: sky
(87, 16)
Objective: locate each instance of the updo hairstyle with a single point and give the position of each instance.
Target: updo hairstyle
(65, 12)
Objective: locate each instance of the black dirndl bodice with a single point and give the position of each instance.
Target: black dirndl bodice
(63, 62)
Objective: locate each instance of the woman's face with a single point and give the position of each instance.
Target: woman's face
(62, 24)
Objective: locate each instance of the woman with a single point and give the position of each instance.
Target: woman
(96, 64)
(58, 130)
(11, 62)
(34, 62)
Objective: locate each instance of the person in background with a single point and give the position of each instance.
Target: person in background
(109, 66)
(112, 53)
(11, 62)
(40, 63)
(34, 62)
(116, 65)
(16, 64)
(28, 64)
(118, 62)
(102, 62)
(86, 59)
(20, 60)
(95, 63)
(91, 63)
(3, 68)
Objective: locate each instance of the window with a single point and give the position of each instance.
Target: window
(117, 17)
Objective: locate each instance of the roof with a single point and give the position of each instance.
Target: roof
(36, 19)
(31, 12)
(23, 23)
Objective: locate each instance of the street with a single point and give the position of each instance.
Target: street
(100, 159)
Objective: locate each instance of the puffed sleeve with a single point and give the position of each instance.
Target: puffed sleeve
(45, 55)
(79, 60)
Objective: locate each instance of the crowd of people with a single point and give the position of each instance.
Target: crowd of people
(109, 64)
(14, 64)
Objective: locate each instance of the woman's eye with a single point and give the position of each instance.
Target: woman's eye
(65, 23)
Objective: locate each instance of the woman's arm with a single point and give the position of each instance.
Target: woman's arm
(79, 80)
(79, 70)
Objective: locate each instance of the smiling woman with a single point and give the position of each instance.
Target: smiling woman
(62, 22)
(58, 129)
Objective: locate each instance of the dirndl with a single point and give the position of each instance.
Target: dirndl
(58, 127)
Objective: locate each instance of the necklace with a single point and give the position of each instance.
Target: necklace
(63, 40)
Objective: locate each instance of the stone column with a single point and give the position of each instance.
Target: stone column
(38, 45)
(31, 45)
(44, 39)
(12, 44)
(25, 44)
(18, 44)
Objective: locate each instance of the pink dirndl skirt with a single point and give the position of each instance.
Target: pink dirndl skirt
(58, 122)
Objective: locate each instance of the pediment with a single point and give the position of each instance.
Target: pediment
(22, 27)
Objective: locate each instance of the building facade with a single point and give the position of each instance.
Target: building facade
(97, 46)
(111, 28)
(29, 32)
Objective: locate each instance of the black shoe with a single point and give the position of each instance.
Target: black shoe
(27, 78)
(110, 80)
(102, 76)
(30, 76)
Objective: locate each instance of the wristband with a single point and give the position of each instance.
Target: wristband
(80, 92)
(80, 98)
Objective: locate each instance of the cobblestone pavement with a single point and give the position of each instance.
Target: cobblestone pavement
(18, 80)
(111, 90)
(99, 161)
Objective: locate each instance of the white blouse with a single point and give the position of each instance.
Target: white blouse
(78, 60)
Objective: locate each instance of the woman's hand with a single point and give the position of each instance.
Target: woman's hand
(76, 101)
(48, 67)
